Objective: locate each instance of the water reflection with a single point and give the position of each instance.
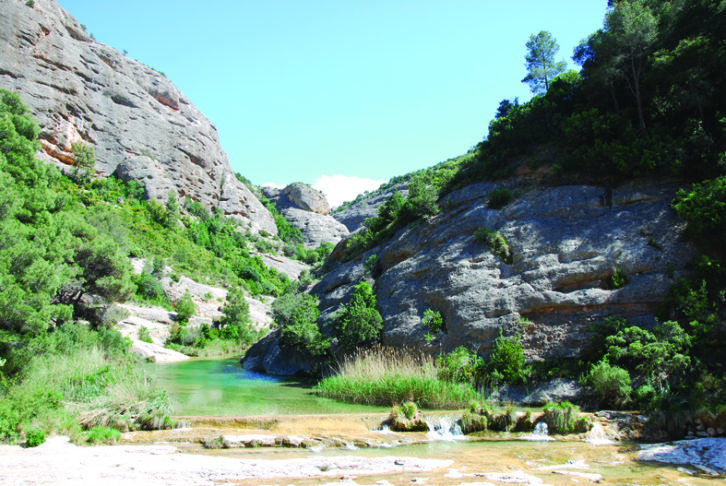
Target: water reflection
(224, 388)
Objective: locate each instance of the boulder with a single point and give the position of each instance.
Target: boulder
(266, 356)
(302, 196)
(315, 228)
(141, 126)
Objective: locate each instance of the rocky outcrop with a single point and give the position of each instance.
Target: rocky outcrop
(307, 210)
(302, 196)
(141, 125)
(367, 206)
(267, 356)
(567, 242)
(315, 228)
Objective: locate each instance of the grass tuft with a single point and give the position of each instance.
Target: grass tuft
(388, 376)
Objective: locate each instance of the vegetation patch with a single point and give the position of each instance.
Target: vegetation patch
(495, 242)
(385, 376)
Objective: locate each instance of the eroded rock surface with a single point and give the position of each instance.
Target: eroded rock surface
(567, 242)
(353, 216)
(308, 210)
(141, 125)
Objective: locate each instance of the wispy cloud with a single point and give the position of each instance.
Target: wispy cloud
(340, 188)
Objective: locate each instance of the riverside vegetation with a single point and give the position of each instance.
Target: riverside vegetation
(64, 258)
(647, 103)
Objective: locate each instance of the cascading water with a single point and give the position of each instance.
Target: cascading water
(597, 435)
(444, 428)
(540, 433)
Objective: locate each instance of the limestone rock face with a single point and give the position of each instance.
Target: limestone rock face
(353, 216)
(141, 125)
(316, 228)
(307, 210)
(566, 242)
(302, 196)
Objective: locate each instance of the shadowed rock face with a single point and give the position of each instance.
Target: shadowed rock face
(566, 241)
(141, 125)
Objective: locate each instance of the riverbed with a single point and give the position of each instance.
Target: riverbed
(222, 403)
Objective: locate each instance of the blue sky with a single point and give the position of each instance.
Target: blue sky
(307, 90)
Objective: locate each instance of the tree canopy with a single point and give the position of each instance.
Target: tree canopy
(542, 67)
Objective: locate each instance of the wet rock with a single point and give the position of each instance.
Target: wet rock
(707, 455)
(266, 356)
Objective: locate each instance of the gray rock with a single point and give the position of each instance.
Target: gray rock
(302, 196)
(266, 356)
(565, 240)
(141, 125)
(366, 207)
(708, 455)
(316, 228)
(539, 394)
(288, 266)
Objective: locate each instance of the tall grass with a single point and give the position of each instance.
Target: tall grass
(386, 376)
(81, 388)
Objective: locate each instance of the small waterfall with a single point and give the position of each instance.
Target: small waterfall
(539, 434)
(597, 435)
(444, 428)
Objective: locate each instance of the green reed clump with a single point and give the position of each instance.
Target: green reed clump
(386, 376)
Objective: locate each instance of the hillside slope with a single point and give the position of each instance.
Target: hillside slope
(141, 125)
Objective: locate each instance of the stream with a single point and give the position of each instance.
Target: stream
(221, 390)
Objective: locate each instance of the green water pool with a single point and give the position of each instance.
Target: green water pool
(223, 388)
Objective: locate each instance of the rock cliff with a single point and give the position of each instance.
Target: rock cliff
(309, 211)
(141, 125)
(367, 206)
(567, 243)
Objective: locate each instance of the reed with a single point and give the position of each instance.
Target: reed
(386, 376)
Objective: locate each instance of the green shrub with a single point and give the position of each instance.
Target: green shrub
(433, 321)
(616, 280)
(458, 366)
(563, 418)
(34, 437)
(507, 359)
(611, 384)
(499, 197)
(102, 435)
(495, 242)
(144, 335)
(297, 317)
(235, 321)
(185, 308)
(360, 324)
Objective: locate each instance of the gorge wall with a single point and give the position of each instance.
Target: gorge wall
(567, 242)
(142, 127)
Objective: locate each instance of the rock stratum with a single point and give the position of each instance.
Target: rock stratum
(142, 127)
(567, 242)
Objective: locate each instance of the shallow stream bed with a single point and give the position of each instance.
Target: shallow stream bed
(220, 399)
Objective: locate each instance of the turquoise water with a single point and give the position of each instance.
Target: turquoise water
(223, 388)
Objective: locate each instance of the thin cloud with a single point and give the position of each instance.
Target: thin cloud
(340, 188)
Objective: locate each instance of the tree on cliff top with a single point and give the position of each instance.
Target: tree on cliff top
(540, 62)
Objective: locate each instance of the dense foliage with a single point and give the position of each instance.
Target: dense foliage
(65, 244)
